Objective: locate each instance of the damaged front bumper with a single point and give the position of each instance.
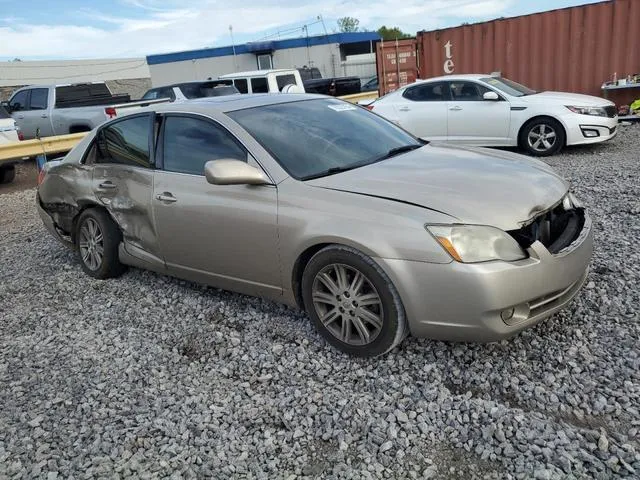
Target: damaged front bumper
(494, 300)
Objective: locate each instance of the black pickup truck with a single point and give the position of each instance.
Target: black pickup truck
(314, 83)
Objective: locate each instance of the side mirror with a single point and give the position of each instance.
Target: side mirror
(493, 96)
(6, 106)
(233, 172)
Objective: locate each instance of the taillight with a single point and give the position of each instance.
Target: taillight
(369, 107)
(20, 135)
(111, 112)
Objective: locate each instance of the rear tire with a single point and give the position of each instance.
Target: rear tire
(542, 137)
(97, 240)
(352, 302)
(7, 174)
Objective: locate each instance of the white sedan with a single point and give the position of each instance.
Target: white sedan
(490, 111)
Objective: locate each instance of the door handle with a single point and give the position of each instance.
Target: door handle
(455, 109)
(44, 115)
(20, 117)
(166, 197)
(107, 185)
(404, 109)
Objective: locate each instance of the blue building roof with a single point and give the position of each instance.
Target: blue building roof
(253, 47)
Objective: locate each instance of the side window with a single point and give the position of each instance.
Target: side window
(466, 91)
(19, 101)
(39, 99)
(431, 92)
(259, 85)
(190, 142)
(125, 142)
(241, 85)
(284, 80)
(150, 95)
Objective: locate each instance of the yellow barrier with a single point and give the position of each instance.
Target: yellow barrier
(357, 97)
(46, 145)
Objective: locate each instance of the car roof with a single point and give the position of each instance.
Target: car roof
(255, 73)
(194, 82)
(231, 103)
(463, 76)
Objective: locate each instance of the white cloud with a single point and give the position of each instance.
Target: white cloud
(166, 26)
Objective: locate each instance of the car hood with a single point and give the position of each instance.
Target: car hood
(474, 185)
(574, 99)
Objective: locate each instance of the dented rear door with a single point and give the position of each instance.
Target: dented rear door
(123, 182)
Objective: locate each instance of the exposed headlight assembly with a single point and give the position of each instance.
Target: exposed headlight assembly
(477, 243)
(595, 111)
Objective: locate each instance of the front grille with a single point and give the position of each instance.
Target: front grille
(555, 229)
(611, 110)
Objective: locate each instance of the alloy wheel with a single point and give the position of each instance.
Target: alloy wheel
(91, 244)
(542, 137)
(347, 304)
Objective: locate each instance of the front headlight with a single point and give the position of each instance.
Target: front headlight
(595, 111)
(477, 243)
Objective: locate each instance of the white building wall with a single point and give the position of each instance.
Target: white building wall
(71, 71)
(324, 57)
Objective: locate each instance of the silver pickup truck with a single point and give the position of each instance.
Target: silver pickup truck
(47, 110)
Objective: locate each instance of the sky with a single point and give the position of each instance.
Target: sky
(77, 29)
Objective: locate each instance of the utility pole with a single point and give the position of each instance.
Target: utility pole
(233, 46)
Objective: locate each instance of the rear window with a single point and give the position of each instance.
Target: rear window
(284, 80)
(309, 73)
(4, 113)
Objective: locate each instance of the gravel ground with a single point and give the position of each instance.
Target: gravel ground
(149, 376)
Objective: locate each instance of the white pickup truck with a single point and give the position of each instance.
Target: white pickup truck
(48, 110)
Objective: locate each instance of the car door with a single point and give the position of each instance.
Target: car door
(472, 120)
(422, 110)
(18, 105)
(123, 182)
(35, 117)
(221, 235)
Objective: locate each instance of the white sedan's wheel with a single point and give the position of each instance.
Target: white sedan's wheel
(542, 137)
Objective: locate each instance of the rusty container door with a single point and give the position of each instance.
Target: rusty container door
(572, 49)
(396, 63)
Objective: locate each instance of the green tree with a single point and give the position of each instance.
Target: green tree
(392, 33)
(348, 24)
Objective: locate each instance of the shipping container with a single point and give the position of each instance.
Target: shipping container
(396, 63)
(573, 49)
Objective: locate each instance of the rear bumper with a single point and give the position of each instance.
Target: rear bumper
(50, 225)
(467, 302)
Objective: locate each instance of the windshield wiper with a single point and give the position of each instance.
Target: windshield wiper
(397, 151)
(333, 171)
(391, 153)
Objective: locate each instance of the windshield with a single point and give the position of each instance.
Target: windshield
(509, 87)
(320, 137)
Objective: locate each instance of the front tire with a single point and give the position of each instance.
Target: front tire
(352, 302)
(542, 137)
(97, 240)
